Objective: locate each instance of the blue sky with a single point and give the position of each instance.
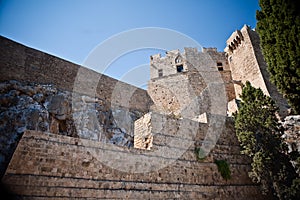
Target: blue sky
(71, 29)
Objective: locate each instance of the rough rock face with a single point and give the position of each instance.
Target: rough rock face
(47, 109)
(291, 126)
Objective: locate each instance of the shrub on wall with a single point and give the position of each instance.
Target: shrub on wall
(224, 169)
(200, 154)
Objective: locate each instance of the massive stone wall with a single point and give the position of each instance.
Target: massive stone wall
(172, 93)
(18, 62)
(31, 106)
(47, 166)
(42, 92)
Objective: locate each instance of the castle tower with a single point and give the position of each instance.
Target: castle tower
(247, 64)
(187, 89)
(180, 79)
(169, 82)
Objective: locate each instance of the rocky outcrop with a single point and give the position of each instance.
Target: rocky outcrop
(291, 125)
(45, 108)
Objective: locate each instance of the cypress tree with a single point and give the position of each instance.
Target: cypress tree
(278, 25)
(259, 134)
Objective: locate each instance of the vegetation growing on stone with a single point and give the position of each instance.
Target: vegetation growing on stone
(259, 135)
(279, 29)
(224, 169)
(200, 154)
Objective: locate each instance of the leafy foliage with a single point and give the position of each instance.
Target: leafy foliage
(279, 29)
(224, 169)
(259, 135)
(200, 154)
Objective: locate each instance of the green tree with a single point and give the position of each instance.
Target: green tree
(259, 134)
(278, 25)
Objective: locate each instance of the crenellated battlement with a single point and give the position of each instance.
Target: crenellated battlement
(234, 40)
(173, 62)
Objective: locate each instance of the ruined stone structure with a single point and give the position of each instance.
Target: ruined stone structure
(65, 136)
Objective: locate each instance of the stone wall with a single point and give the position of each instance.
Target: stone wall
(222, 65)
(18, 62)
(171, 93)
(143, 137)
(31, 106)
(47, 166)
(42, 92)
